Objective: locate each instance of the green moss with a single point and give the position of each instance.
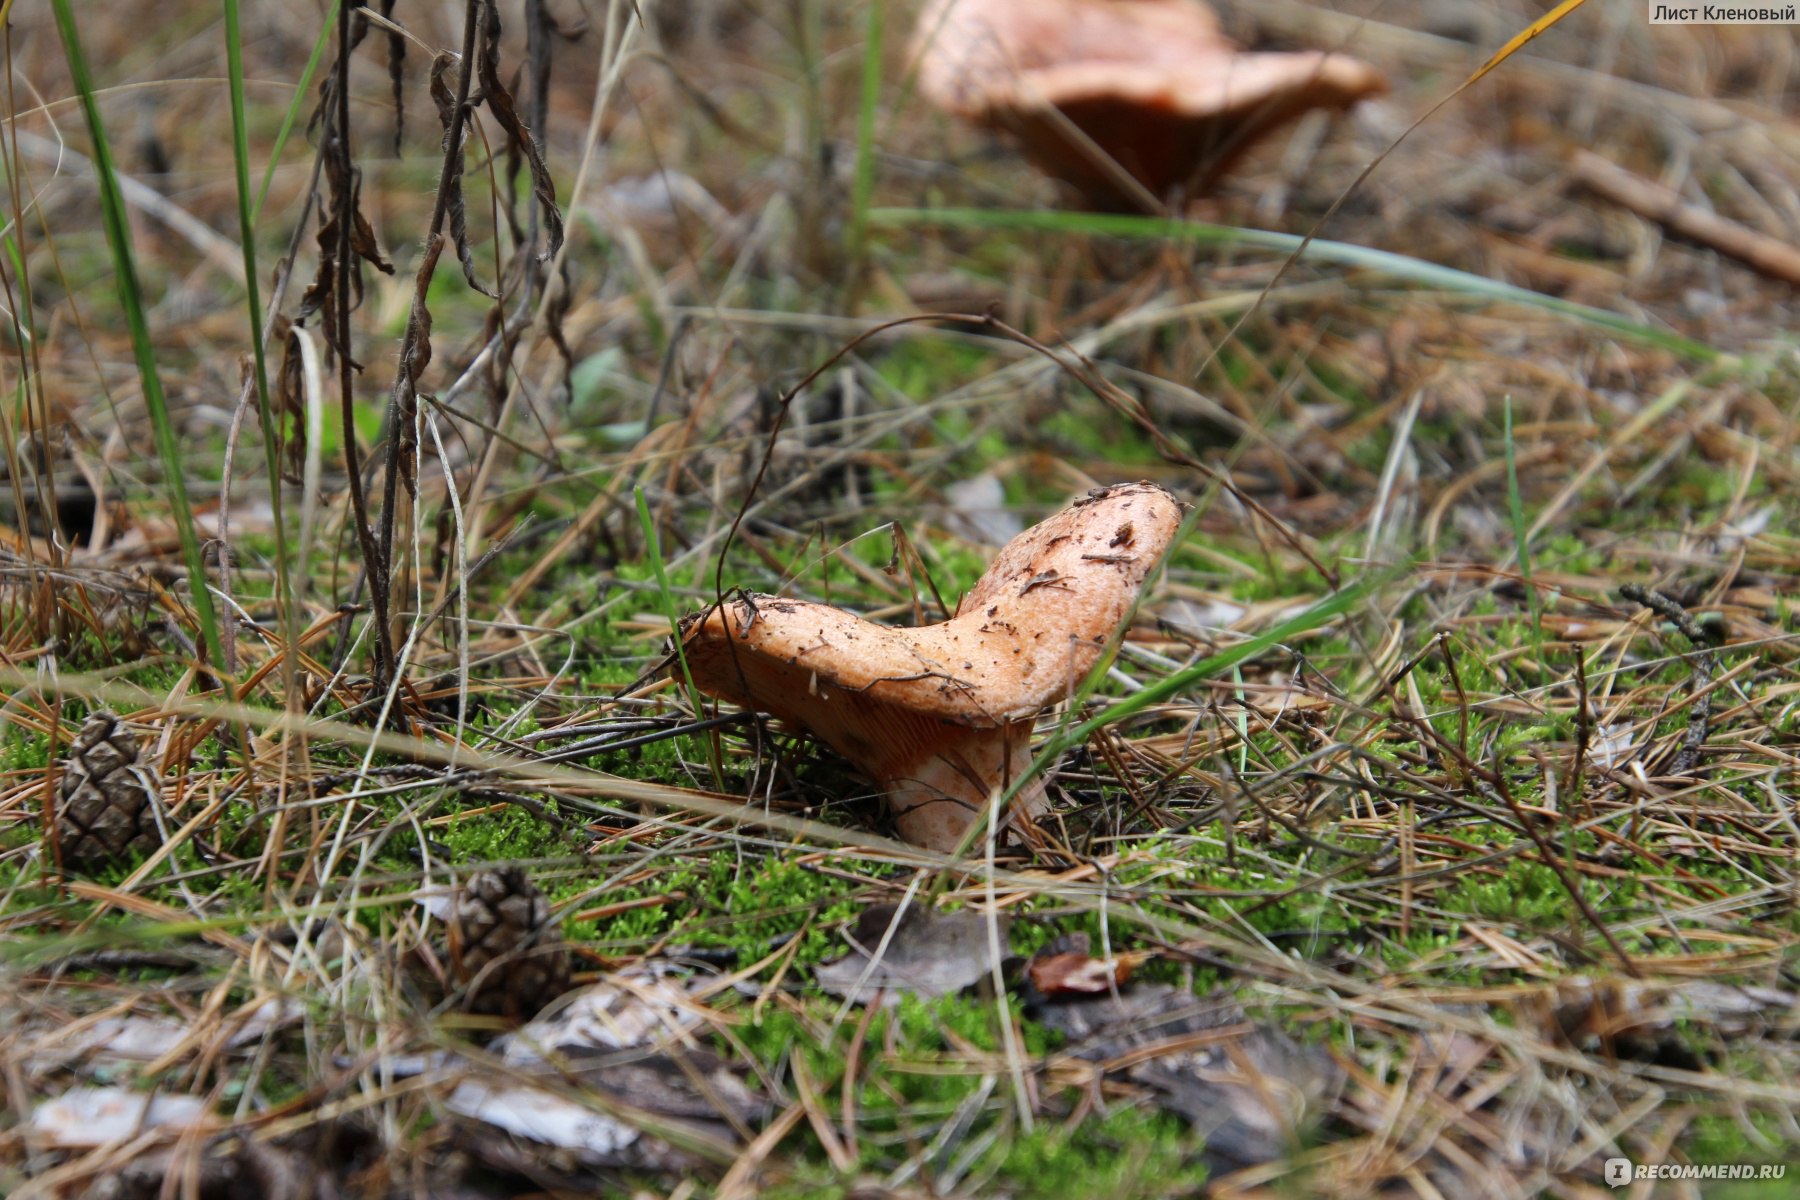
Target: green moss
(722, 906)
(1127, 1154)
(924, 367)
(954, 569)
(23, 749)
(1111, 440)
(911, 1081)
(513, 833)
(1277, 581)
(1528, 894)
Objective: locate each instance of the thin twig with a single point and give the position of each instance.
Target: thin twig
(1654, 202)
(1704, 665)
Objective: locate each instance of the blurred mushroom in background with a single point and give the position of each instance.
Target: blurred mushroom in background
(1130, 102)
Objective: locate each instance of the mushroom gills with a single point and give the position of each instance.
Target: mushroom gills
(929, 767)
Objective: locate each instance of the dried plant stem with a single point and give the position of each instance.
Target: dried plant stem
(415, 346)
(247, 393)
(1654, 202)
(374, 564)
(1693, 743)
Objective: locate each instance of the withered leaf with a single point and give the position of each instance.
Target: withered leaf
(1247, 1086)
(634, 1008)
(362, 234)
(417, 356)
(927, 953)
(454, 205)
(625, 1045)
(345, 182)
(396, 61)
(290, 400)
(588, 1135)
(1077, 974)
(500, 102)
(396, 58)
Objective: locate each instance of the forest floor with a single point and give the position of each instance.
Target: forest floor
(1430, 832)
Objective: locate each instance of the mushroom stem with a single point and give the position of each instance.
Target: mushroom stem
(936, 801)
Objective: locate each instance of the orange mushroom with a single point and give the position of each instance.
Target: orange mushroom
(941, 716)
(1114, 96)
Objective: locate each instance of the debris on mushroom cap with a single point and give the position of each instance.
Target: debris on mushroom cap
(941, 716)
(1100, 89)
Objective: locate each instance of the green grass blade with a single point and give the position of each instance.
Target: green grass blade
(1399, 266)
(672, 611)
(240, 146)
(301, 92)
(131, 301)
(22, 325)
(1314, 616)
(1521, 531)
(863, 187)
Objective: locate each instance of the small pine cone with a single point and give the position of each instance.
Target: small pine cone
(108, 808)
(505, 947)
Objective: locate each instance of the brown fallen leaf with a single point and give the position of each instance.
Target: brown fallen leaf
(1077, 974)
(1065, 968)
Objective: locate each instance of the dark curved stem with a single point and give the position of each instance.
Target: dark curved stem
(403, 398)
(374, 563)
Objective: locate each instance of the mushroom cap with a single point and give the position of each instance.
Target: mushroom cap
(970, 51)
(1153, 84)
(1028, 631)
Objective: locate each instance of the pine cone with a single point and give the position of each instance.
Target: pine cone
(108, 807)
(504, 945)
